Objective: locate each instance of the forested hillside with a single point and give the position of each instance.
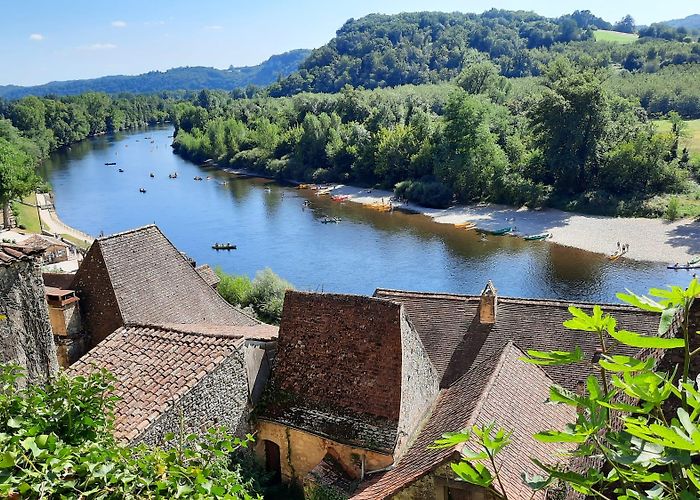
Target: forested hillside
(689, 22)
(427, 47)
(187, 78)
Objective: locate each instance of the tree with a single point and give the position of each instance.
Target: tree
(626, 24)
(17, 176)
(471, 156)
(640, 421)
(267, 295)
(569, 121)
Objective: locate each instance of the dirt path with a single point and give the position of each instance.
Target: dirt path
(51, 222)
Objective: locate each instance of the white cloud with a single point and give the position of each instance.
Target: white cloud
(119, 24)
(98, 46)
(36, 37)
(214, 27)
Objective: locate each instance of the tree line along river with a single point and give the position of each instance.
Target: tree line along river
(272, 227)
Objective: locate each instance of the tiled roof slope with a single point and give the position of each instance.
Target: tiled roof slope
(153, 283)
(455, 340)
(154, 367)
(502, 389)
(338, 369)
(13, 253)
(206, 272)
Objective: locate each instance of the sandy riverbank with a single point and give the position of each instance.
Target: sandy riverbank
(653, 240)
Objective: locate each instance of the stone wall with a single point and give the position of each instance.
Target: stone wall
(25, 334)
(419, 384)
(301, 451)
(220, 399)
(99, 307)
(443, 484)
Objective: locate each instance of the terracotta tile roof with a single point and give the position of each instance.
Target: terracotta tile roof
(41, 242)
(248, 332)
(14, 253)
(337, 371)
(206, 272)
(58, 280)
(501, 389)
(153, 283)
(154, 368)
(455, 340)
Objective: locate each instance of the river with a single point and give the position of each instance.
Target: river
(272, 228)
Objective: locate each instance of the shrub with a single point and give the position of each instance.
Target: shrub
(267, 295)
(672, 209)
(234, 289)
(431, 194)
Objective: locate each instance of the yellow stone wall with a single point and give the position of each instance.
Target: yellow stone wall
(301, 451)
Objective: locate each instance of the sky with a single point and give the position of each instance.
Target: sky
(47, 40)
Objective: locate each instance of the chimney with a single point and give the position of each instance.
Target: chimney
(488, 303)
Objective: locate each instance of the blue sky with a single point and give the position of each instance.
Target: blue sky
(45, 40)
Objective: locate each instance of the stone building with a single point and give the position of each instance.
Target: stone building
(25, 330)
(362, 385)
(182, 378)
(139, 277)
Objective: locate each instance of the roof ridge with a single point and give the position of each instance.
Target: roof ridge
(184, 331)
(336, 294)
(506, 298)
(128, 231)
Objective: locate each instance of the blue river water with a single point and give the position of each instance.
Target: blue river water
(272, 228)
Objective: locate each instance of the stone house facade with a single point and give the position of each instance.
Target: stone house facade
(362, 386)
(25, 330)
(181, 379)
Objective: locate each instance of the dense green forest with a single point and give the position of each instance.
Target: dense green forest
(427, 47)
(41, 124)
(563, 139)
(189, 78)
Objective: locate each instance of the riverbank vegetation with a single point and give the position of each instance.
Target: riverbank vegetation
(264, 295)
(564, 139)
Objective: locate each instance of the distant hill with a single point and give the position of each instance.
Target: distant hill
(426, 47)
(185, 78)
(691, 22)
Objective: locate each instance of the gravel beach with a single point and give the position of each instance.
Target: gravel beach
(653, 240)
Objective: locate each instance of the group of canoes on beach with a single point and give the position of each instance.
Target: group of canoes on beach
(622, 249)
(507, 230)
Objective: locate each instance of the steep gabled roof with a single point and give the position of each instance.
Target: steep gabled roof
(156, 366)
(455, 340)
(502, 389)
(154, 284)
(337, 371)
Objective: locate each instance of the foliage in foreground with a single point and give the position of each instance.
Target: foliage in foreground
(642, 425)
(265, 294)
(56, 442)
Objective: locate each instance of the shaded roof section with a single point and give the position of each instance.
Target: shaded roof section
(455, 340)
(502, 389)
(154, 284)
(10, 254)
(58, 280)
(329, 474)
(208, 274)
(155, 367)
(338, 369)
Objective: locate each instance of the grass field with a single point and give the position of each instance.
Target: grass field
(79, 243)
(691, 141)
(614, 36)
(27, 216)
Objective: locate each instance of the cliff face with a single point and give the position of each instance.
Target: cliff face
(25, 334)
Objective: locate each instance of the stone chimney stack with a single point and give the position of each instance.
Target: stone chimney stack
(488, 304)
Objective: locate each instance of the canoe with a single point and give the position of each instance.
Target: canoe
(497, 232)
(534, 237)
(615, 256)
(465, 225)
(111, 163)
(223, 246)
(694, 261)
(687, 266)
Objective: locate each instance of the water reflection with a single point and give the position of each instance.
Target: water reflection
(273, 228)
